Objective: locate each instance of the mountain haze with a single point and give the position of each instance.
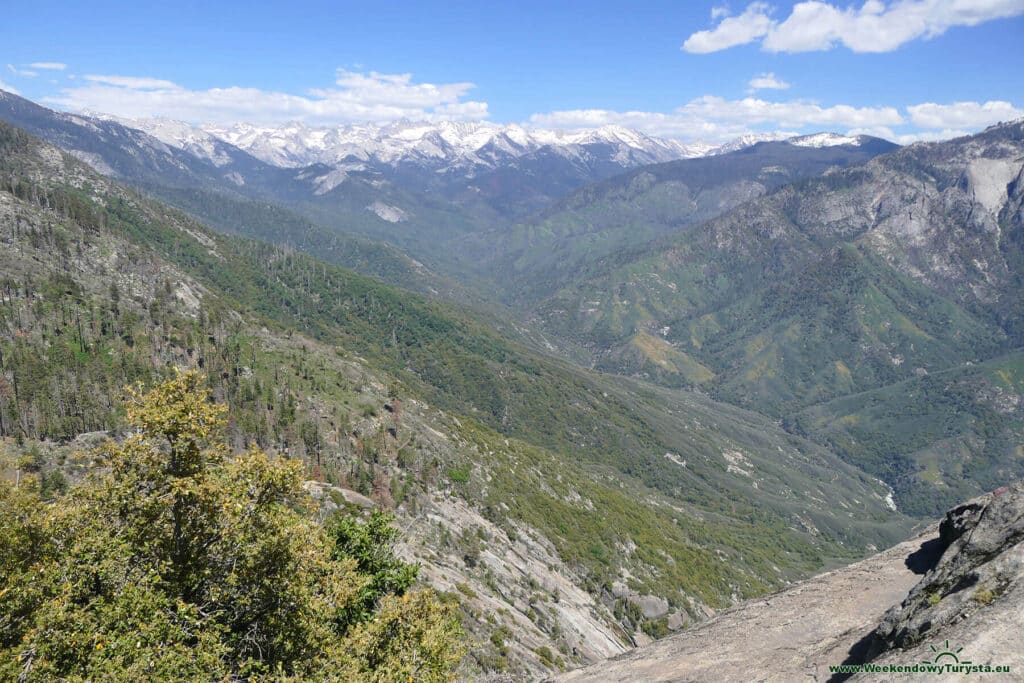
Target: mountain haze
(511, 343)
(421, 187)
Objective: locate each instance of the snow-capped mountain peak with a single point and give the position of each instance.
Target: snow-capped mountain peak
(442, 146)
(184, 136)
(751, 139)
(447, 143)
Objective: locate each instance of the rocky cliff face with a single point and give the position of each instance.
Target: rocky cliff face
(957, 589)
(972, 602)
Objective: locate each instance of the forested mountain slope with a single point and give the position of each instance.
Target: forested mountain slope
(638, 507)
(330, 213)
(425, 188)
(625, 213)
(907, 265)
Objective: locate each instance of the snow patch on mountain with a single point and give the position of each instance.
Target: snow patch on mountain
(825, 140)
(749, 140)
(445, 146)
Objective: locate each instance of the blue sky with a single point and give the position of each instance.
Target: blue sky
(904, 69)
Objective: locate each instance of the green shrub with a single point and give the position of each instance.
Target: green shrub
(184, 562)
(458, 475)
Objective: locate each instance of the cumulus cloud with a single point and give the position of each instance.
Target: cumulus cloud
(354, 97)
(875, 26)
(370, 96)
(911, 137)
(715, 118)
(49, 66)
(767, 81)
(963, 114)
(795, 113)
(654, 123)
(731, 31)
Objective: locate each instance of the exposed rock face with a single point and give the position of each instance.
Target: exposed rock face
(970, 602)
(520, 581)
(973, 597)
(793, 635)
(795, 302)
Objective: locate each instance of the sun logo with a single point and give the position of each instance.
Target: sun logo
(943, 656)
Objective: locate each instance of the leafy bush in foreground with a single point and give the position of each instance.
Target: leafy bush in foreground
(181, 562)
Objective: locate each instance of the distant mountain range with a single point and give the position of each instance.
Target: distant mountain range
(460, 150)
(826, 281)
(434, 190)
(876, 307)
(447, 145)
(626, 212)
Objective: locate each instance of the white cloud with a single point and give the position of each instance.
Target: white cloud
(355, 97)
(962, 114)
(21, 72)
(876, 26)
(133, 82)
(877, 131)
(732, 31)
(50, 66)
(795, 113)
(653, 123)
(714, 118)
(909, 138)
(358, 96)
(767, 81)
(9, 88)
(931, 135)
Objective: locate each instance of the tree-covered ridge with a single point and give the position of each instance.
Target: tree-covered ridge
(625, 214)
(954, 430)
(182, 561)
(861, 279)
(405, 399)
